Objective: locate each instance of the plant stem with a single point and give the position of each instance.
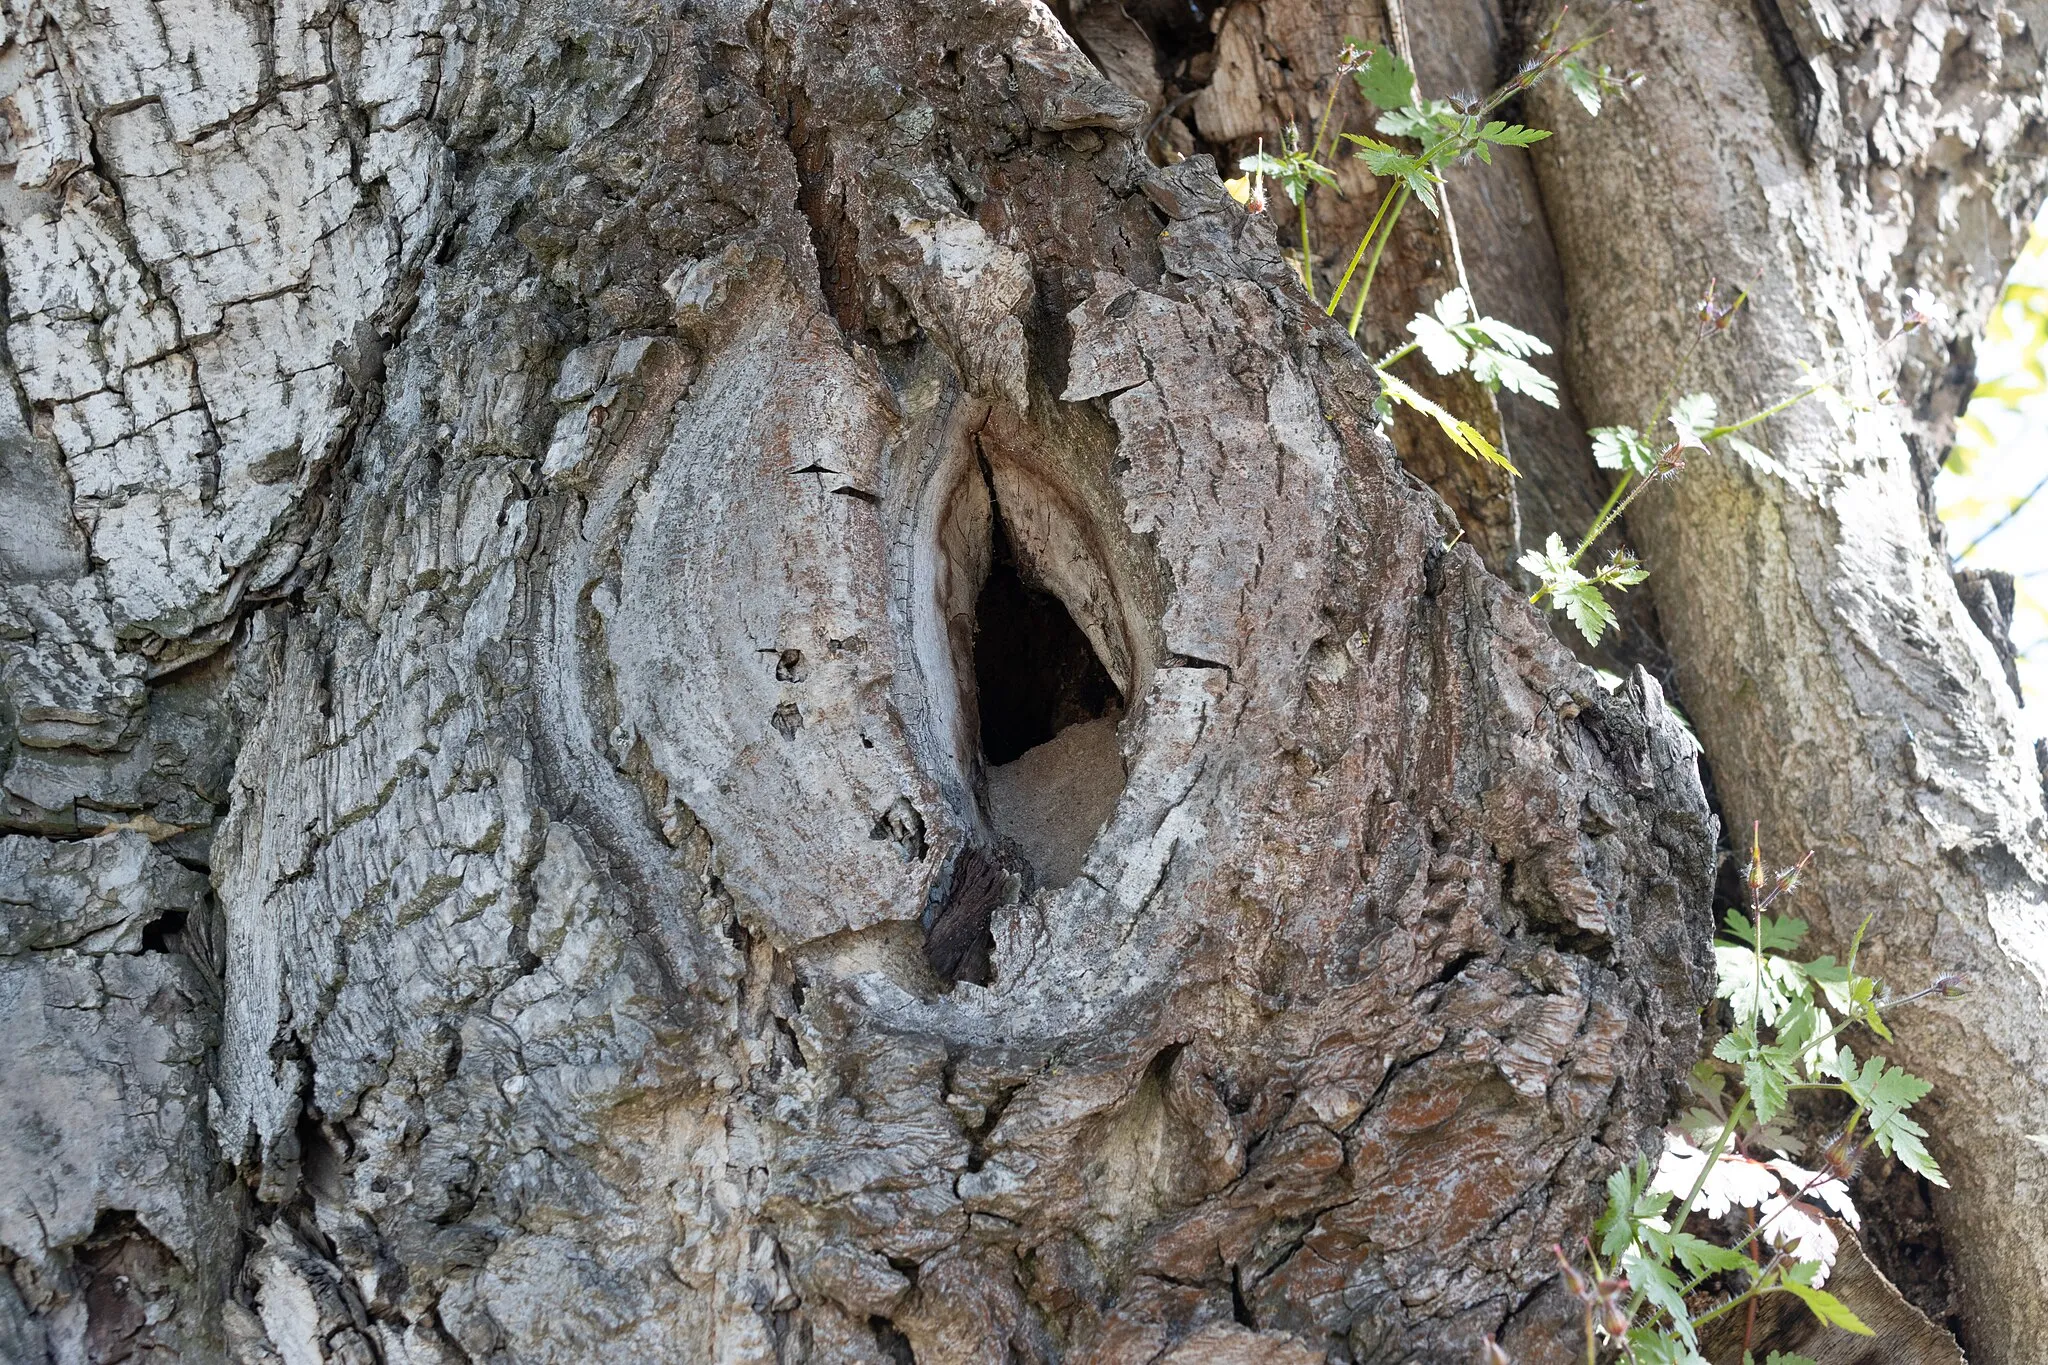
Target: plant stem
(1372, 267)
(1323, 124)
(1755, 1291)
(1308, 279)
(1699, 1183)
(1609, 514)
(1399, 353)
(1606, 509)
(1826, 381)
(1363, 243)
(1772, 411)
(2002, 522)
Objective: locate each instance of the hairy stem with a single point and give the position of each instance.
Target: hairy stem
(1699, 1183)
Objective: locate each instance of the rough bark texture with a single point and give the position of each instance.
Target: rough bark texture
(511, 491)
(1828, 159)
(585, 429)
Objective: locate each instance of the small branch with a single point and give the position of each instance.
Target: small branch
(2001, 523)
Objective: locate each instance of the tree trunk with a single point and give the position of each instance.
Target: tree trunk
(725, 685)
(1846, 701)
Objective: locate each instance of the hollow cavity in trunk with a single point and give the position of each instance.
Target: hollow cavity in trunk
(1048, 712)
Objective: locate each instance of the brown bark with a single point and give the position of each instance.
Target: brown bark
(528, 499)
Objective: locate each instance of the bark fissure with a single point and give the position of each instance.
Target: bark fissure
(627, 950)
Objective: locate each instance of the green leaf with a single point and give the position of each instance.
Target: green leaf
(1623, 448)
(1583, 82)
(1436, 124)
(1758, 458)
(1692, 417)
(1385, 80)
(1760, 987)
(1701, 1257)
(1620, 571)
(1383, 159)
(1657, 1284)
(1440, 345)
(1786, 1358)
(1502, 337)
(1863, 997)
(1587, 609)
(1500, 370)
(1617, 1226)
(1294, 171)
(1905, 1138)
(1777, 933)
(1463, 434)
(1886, 1092)
(1767, 1091)
(1511, 134)
(1657, 1346)
(1828, 1308)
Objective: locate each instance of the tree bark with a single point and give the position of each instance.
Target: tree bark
(520, 519)
(1846, 702)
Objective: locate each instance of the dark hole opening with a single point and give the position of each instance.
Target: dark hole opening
(1034, 670)
(166, 933)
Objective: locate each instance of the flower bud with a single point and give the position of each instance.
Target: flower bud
(1841, 1157)
(1574, 1283)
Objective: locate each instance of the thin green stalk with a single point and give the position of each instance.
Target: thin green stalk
(1358, 255)
(1606, 509)
(1308, 279)
(1398, 353)
(1772, 411)
(1323, 124)
(1609, 514)
(1372, 267)
(1757, 1290)
(1699, 1183)
(1827, 381)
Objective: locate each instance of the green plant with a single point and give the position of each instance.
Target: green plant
(1658, 1273)
(1442, 133)
(1641, 462)
(1420, 140)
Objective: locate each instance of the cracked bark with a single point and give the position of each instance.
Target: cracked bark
(502, 863)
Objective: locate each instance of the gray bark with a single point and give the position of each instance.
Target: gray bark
(1847, 703)
(503, 864)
